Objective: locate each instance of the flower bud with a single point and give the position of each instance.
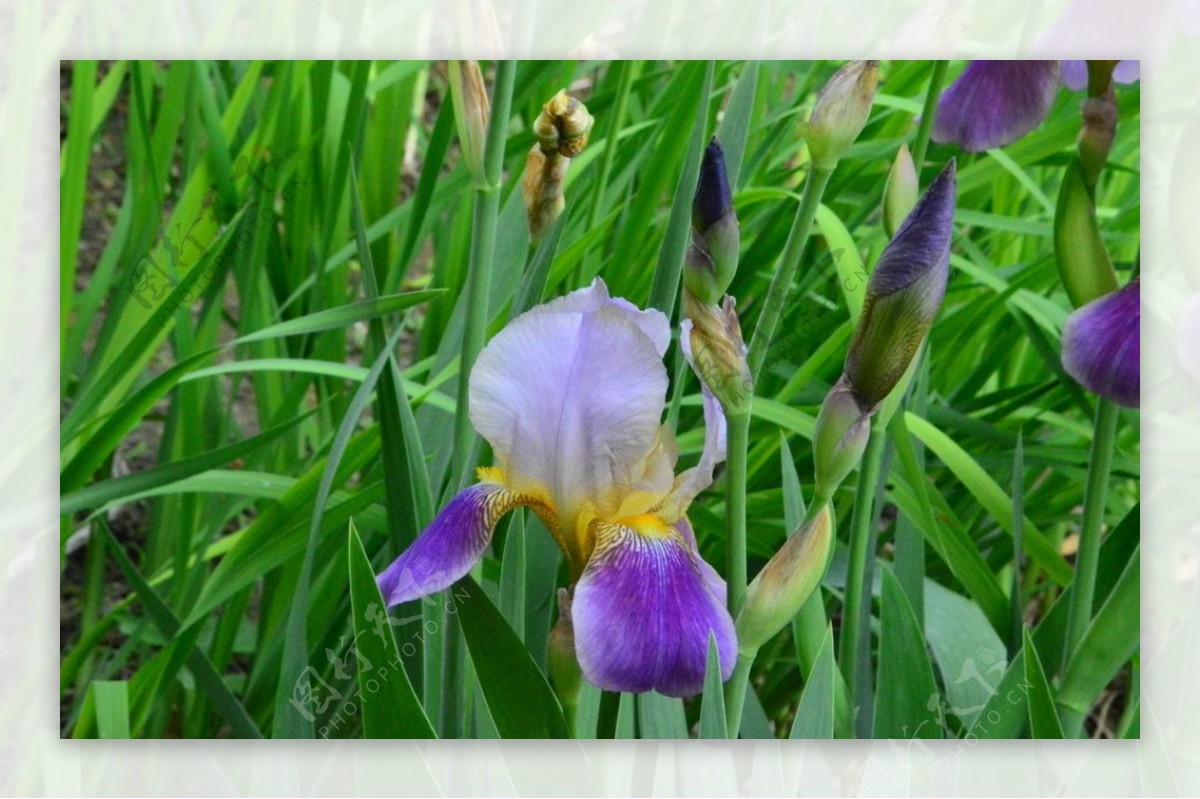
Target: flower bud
(841, 112)
(713, 344)
(900, 192)
(1083, 261)
(563, 664)
(712, 257)
(904, 294)
(1101, 346)
(471, 113)
(776, 595)
(562, 133)
(839, 438)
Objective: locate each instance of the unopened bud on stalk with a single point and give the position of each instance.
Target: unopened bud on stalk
(904, 294)
(841, 112)
(776, 595)
(712, 258)
(563, 664)
(839, 438)
(1096, 136)
(900, 193)
(471, 113)
(718, 354)
(1083, 261)
(562, 132)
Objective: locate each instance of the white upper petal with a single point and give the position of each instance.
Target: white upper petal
(570, 395)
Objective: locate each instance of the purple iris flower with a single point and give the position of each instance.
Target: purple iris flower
(1101, 345)
(570, 395)
(994, 103)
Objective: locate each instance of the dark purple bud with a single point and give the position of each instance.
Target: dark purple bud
(994, 103)
(904, 294)
(713, 199)
(1101, 345)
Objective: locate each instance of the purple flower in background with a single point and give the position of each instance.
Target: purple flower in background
(570, 395)
(1101, 345)
(994, 103)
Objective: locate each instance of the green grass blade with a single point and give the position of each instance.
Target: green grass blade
(1043, 718)
(111, 699)
(389, 704)
(816, 712)
(712, 703)
(905, 688)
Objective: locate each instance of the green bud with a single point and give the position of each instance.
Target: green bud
(841, 112)
(1083, 261)
(472, 110)
(713, 344)
(775, 596)
(839, 438)
(900, 193)
(563, 664)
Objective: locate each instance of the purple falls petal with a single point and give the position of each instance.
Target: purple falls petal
(450, 546)
(643, 612)
(1101, 346)
(994, 103)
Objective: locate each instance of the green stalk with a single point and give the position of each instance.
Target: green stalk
(738, 438)
(479, 278)
(735, 694)
(483, 244)
(785, 272)
(857, 605)
(1083, 586)
(925, 127)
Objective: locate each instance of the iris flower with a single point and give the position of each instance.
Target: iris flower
(570, 395)
(994, 103)
(1101, 345)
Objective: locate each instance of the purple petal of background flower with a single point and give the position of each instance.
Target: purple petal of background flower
(1075, 74)
(643, 612)
(449, 547)
(1101, 346)
(994, 103)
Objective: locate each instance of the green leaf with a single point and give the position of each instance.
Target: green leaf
(111, 699)
(735, 123)
(1110, 641)
(517, 694)
(905, 688)
(712, 703)
(968, 652)
(815, 713)
(626, 718)
(201, 667)
(100, 494)
(1043, 718)
(512, 575)
(661, 717)
(990, 495)
(343, 316)
(1006, 713)
(390, 706)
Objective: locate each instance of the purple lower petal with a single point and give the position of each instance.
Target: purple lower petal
(450, 546)
(994, 103)
(1101, 346)
(643, 612)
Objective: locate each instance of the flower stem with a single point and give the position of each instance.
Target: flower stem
(855, 632)
(925, 127)
(479, 277)
(738, 439)
(735, 694)
(785, 272)
(1083, 586)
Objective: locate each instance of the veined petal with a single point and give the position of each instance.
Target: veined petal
(451, 545)
(1101, 345)
(596, 297)
(570, 395)
(644, 609)
(994, 103)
